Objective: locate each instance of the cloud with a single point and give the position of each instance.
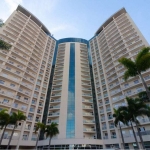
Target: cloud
(7, 7)
(12, 4)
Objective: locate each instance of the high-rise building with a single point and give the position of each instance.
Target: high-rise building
(72, 81)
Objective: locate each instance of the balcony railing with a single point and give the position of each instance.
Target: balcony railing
(53, 114)
(84, 100)
(56, 100)
(88, 114)
(88, 121)
(54, 107)
(89, 129)
(113, 136)
(88, 107)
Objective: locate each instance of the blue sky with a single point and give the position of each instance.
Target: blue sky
(80, 18)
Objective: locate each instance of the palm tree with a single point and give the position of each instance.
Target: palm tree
(136, 107)
(4, 121)
(143, 95)
(134, 68)
(39, 127)
(51, 130)
(14, 118)
(4, 45)
(119, 118)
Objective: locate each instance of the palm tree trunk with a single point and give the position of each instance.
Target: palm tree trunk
(141, 139)
(37, 141)
(145, 85)
(134, 135)
(50, 142)
(11, 137)
(2, 135)
(122, 136)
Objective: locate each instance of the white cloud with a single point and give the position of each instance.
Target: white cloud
(12, 4)
(7, 7)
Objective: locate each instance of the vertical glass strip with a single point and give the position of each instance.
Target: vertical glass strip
(70, 128)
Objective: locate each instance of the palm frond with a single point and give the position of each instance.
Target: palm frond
(128, 63)
(144, 51)
(144, 63)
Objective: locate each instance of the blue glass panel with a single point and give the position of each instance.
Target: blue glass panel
(70, 131)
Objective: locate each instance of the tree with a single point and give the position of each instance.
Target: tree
(136, 107)
(1, 23)
(134, 68)
(51, 130)
(118, 115)
(4, 121)
(4, 45)
(39, 127)
(143, 95)
(14, 118)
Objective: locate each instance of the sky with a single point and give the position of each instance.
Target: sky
(80, 18)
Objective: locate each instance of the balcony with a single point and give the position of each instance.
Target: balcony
(56, 89)
(37, 120)
(101, 111)
(89, 121)
(110, 117)
(106, 102)
(87, 101)
(55, 94)
(86, 79)
(87, 107)
(53, 114)
(108, 109)
(89, 130)
(55, 101)
(111, 126)
(87, 94)
(88, 114)
(104, 128)
(105, 137)
(102, 119)
(54, 107)
(113, 136)
(54, 121)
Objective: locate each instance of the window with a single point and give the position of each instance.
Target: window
(14, 57)
(13, 85)
(2, 82)
(147, 77)
(31, 79)
(25, 98)
(126, 85)
(11, 62)
(136, 81)
(17, 72)
(8, 68)
(139, 89)
(23, 107)
(129, 92)
(5, 101)
(19, 66)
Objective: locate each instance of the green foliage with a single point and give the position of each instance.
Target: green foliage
(119, 116)
(141, 63)
(51, 130)
(15, 117)
(39, 125)
(4, 45)
(135, 107)
(4, 118)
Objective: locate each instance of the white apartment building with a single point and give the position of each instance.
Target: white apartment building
(72, 81)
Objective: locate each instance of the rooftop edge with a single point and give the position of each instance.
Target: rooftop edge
(35, 19)
(115, 15)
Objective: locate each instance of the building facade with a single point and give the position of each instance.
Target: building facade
(72, 81)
